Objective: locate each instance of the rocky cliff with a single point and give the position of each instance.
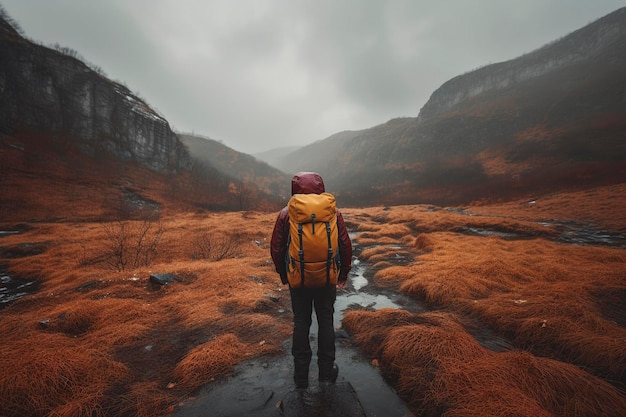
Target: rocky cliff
(46, 91)
(581, 45)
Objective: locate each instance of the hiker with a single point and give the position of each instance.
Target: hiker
(312, 284)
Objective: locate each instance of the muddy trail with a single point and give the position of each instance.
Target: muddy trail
(260, 387)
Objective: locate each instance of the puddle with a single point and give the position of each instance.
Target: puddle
(569, 232)
(486, 232)
(15, 230)
(361, 294)
(588, 236)
(12, 289)
(22, 250)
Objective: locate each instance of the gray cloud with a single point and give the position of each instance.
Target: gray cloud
(259, 74)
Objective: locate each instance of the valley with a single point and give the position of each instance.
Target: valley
(559, 306)
(489, 231)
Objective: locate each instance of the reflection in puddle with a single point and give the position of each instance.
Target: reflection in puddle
(593, 237)
(362, 299)
(357, 280)
(361, 294)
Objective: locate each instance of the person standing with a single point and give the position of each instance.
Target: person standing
(312, 285)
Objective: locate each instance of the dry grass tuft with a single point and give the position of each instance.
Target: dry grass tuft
(55, 375)
(210, 360)
(441, 370)
(143, 399)
(423, 243)
(563, 305)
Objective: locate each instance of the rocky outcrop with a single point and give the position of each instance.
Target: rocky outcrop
(584, 44)
(46, 91)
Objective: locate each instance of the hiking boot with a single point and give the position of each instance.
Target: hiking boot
(301, 383)
(331, 376)
(301, 377)
(334, 374)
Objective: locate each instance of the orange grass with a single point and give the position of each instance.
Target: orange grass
(602, 206)
(94, 341)
(44, 372)
(538, 293)
(440, 370)
(98, 342)
(563, 303)
(548, 297)
(211, 360)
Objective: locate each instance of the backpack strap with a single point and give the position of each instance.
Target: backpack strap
(330, 254)
(301, 252)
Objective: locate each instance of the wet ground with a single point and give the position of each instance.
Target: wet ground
(580, 234)
(570, 232)
(258, 387)
(11, 288)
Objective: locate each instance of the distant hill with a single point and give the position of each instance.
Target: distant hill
(244, 169)
(551, 119)
(274, 156)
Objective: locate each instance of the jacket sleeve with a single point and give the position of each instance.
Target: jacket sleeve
(278, 244)
(345, 248)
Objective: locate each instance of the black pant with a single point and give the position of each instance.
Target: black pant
(303, 300)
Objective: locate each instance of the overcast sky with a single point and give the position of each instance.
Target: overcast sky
(260, 74)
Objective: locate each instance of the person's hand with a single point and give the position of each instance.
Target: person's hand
(342, 282)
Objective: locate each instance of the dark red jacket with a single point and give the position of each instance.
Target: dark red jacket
(307, 183)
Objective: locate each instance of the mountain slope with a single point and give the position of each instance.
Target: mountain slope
(245, 170)
(76, 145)
(550, 119)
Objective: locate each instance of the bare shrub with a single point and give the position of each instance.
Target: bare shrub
(132, 243)
(216, 246)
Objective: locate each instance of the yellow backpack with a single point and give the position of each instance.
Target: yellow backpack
(313, 245)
